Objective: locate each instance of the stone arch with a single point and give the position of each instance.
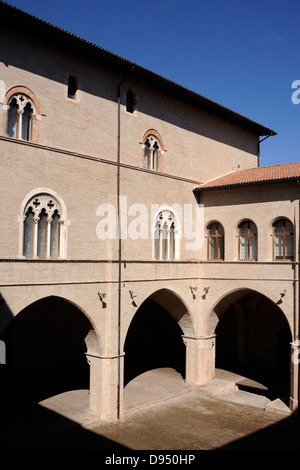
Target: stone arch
(176, 306)
(154, 337)
(47, 343)
(253, 337)
(68, 300)
(225, 301)
(220, 307)
(170, 301)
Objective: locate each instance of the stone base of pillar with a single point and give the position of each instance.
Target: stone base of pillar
(294, 391)
(106, 390)
(106, 380)
(200, 359)
(293, 405)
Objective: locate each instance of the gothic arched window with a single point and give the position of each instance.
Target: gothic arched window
(165, 236)
(152, 151)
(43, 226)
(20, 114)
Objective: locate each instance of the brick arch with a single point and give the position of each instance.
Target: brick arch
(155, 337)
(25, 91)
(174, 304)
(48, 343)
(20, 89)
(253, 338)
(156, 134)
(226, 300)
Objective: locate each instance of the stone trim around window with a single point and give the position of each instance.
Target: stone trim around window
(43, 226)
(26, 104)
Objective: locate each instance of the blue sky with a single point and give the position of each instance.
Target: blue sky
(241, 54)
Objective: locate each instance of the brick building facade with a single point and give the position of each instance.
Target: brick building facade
(138, 229)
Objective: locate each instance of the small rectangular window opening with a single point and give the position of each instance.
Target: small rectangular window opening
(129, 101)
(72, 88)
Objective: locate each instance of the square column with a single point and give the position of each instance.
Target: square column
(295, 359)
(200, 359)
(106, 390)
(106, 380)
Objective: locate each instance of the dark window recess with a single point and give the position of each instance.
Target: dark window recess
(129, 101)
(72, 88)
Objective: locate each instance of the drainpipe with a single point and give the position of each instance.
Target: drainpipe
(298, 297)
(295, 339)
(296, 313)
(120, 243)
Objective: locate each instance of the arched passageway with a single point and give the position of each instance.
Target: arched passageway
(253, 339)
(45, 351)
(154, 338)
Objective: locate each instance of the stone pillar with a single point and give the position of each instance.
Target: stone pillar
(200, 359)
(106, 380)
(106, 393)
(295, 358)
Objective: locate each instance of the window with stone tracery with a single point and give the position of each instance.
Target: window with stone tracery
(165, 236)
(43, 228)
(152, 152)
(21, 112)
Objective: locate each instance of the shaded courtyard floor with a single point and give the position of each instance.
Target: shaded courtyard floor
(161, 413)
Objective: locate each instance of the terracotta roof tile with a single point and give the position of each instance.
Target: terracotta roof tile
(251, 176)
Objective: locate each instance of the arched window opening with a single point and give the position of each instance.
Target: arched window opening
(20, 115)
(247, 241)
(165, 236)
(283, 240)
(42, 234)
(215, 241)
(12, 120)
(26, 119)
(28, 234)
(54, 236)
(42, 228)
(152, 151)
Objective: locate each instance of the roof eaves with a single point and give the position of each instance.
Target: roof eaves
(202, 188)
(196, 98)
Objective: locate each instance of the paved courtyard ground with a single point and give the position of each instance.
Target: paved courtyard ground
(173, 417)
